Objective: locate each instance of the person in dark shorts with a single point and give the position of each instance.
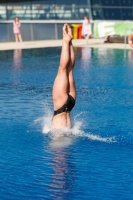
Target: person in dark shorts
(64, 91)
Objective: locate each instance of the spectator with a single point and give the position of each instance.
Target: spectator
(86, 28)
(16, 29)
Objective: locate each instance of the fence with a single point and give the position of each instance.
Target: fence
(31, 31)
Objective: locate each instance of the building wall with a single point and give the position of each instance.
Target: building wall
(43, 19)
(45, 10)
(112, 9)
(66, 9)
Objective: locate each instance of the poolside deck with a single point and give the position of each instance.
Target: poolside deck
(95, 43)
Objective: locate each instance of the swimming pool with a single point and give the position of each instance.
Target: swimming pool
(95, 160)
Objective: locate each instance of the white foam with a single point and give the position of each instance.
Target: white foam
(61, 142)
(64, 134)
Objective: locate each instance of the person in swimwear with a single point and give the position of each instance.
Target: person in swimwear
(64, 91)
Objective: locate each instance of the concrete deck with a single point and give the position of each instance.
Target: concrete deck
(95, 43)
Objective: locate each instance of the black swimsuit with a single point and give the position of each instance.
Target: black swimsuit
(67, 107)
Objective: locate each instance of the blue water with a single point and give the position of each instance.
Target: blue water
(95, 160)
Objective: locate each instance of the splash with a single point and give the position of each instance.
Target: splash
(76, 131)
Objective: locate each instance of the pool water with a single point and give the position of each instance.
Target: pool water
(94, 161)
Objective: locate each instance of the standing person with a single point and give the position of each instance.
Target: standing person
(16, 29)
(86, 28)
(64, 92)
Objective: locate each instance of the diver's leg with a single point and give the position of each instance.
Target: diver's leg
(61, 83)
(72, 88)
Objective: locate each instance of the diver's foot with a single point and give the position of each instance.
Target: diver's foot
(66, 36)
(69, 31)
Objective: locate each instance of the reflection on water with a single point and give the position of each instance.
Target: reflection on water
(130, 56)
(64, 170)
(17, 65)
(17, 58)
(88, 165)
(86, 54)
